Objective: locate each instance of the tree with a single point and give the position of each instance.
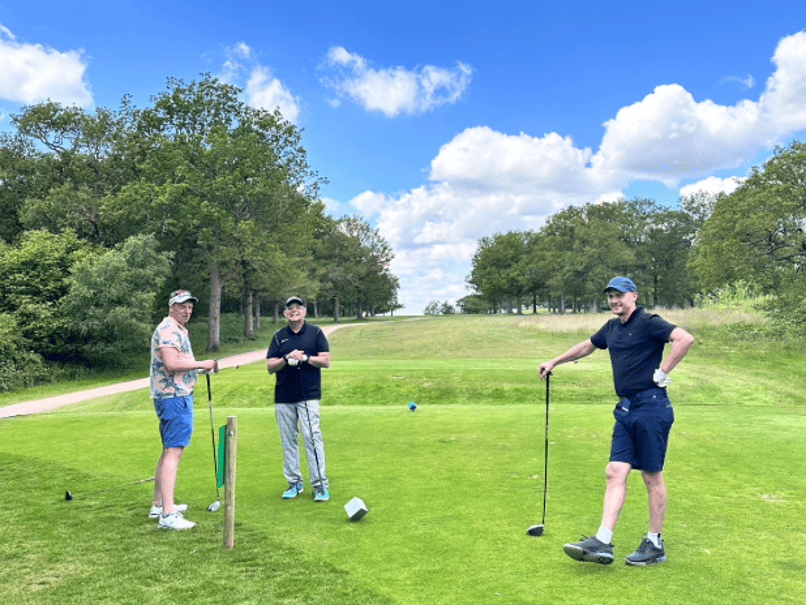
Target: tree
(19, 366)
(353, 265)
(86, 165)
(336, 253)
(219, 178)
(473, 303)
(498, 272)
(757, 234)
(25, 173)
(375, 285)
(111, 297)
(432, 308)
(36, 276)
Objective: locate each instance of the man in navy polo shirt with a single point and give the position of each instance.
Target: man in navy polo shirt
(296, 355)
(644, 416)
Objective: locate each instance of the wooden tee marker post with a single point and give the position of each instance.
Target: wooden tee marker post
(229, 481)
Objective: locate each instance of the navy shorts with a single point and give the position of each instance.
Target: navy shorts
(176, 420)
(641, 431)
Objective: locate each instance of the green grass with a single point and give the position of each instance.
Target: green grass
(450, 488)
(232, 339)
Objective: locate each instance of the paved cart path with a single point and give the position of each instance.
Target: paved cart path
(49, 403)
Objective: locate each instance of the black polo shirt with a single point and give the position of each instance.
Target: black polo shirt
(636, 349)
(301, 382)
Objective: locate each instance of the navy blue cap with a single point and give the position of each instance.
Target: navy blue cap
(622, 284)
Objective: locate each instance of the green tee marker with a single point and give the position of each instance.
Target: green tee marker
(222, 438)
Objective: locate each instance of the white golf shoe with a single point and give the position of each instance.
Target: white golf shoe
(175, 520)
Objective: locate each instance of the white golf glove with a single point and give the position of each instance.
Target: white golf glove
(661, 378)
(293, 362)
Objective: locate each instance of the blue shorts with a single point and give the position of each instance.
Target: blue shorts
(176, 420)
(641, 431)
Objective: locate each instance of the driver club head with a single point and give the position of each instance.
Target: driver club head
(535, 530)
(214, 506)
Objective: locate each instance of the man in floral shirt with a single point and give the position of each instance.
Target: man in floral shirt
(173, 376)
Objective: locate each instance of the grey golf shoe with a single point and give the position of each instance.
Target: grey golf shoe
(590, 549)
(646, 553)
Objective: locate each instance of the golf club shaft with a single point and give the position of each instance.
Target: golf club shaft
(310, 428)
(546, 455)
(313, 443)
(212, 435)
(106, 489)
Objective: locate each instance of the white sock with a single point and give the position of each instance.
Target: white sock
(604, 535)
(654, 538)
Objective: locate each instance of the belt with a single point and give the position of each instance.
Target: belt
(638, 398)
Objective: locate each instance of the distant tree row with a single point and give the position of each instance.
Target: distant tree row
(566, 264)
(103, 213)
(756, 234)
(437, 308)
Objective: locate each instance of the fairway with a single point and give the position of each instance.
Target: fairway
(451, 488)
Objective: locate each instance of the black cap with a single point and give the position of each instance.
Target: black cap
(294, 299)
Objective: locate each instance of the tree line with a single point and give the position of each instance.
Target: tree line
(103, 213)
(755, 235)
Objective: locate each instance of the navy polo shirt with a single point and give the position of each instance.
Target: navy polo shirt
(301, 382)
(636, 349)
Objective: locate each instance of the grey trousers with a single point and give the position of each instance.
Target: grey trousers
(291, 419)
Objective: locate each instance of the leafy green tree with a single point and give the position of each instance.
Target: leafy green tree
(87, 164)
(757, 234)
(473, 303)
(110, 299)
(374, 283)
(666, 252)
(498, 271)
(352, 264)
(19, 367)
(218, 178)
(336, 257)
(432, 308)
(36, 276)
(25, 173)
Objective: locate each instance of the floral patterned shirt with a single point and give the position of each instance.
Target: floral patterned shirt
(164, 384)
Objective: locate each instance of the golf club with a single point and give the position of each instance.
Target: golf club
(310, 430)
(313, 444)
(215, 505)
(68, 495)
(537, 530)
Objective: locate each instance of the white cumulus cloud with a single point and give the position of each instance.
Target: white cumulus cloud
(32, 73)
(393, 90)
(668, 135)
(262, 88)
(484, 182)
(713, 185)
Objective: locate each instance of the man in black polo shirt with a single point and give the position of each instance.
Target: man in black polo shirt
(644, 416)
(296, 355)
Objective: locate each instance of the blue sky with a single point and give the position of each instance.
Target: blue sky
(441, 122)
